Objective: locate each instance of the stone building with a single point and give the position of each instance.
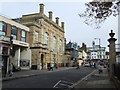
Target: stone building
(46, 39)
(16, 49)
(96, 52)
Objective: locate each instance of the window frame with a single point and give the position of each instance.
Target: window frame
(36, 36)
(54, 43)
(12, 32)
(24, 40)
(46, 38)
(60, 46)
(3, 30)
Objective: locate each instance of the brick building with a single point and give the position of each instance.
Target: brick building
(47, 40)
(20, 54)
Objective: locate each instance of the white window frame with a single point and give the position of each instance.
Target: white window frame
(46, 38)
(36, 36)
(2, 28)
(23, 35)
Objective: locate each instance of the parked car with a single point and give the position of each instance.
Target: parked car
(86, 64)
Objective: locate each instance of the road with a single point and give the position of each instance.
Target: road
(49, 80)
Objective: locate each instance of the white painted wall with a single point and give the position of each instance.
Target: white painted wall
(84, 54)
(26, 55)
(17, 58)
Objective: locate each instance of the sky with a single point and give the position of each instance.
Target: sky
(67, 11)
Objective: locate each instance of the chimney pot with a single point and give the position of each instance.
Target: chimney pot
(50, 15)
(62, 25)
(41, 8)
(57, 20)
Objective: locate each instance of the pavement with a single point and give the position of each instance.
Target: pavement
(30, 73)
(95, 80)
(92, 80)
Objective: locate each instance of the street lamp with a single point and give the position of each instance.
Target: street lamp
(99, 41)
(99, 46)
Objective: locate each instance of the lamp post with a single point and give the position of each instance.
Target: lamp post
(99, 46)
(11, 48)
(99, 41)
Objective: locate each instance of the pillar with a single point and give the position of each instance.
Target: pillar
(112, 52)
(17, 57)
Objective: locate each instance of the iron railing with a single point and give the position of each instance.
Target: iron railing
(116, 70)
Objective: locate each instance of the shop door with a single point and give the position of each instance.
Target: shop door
(4, 67)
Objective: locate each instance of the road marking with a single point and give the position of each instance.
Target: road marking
(67, 82)
(56, 84)
(61, 84)
(85, 78)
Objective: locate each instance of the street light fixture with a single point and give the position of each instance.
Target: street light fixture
(99, 46)
(99, 41)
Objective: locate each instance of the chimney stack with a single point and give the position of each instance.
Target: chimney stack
(57, 20)
(50, 15)
(41, 8)
(62, 25)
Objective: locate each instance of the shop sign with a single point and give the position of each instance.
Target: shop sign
(20, 43)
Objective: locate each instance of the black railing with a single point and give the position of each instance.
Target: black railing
(116, 70)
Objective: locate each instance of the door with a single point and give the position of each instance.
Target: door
(42, 60)
(4, 67)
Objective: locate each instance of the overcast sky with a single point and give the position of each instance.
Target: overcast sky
(75, 29)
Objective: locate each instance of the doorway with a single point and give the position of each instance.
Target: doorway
(42, 60)
(4, 67)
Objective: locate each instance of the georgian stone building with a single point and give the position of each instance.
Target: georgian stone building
(47, 40)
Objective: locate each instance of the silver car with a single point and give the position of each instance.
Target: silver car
(86, 64)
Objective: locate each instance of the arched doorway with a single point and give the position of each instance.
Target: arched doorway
(42, 60)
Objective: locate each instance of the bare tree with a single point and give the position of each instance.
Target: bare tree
(98, 11)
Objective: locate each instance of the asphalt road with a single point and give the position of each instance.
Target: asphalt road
(50, 80)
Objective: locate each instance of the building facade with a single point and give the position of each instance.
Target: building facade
(82, 52)
(46, 39)
(14, 46)
(96, 52)
(72, 49)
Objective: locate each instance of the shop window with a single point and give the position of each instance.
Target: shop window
(2, 28)
(23, 35)
(14, 32)
(5, 51)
